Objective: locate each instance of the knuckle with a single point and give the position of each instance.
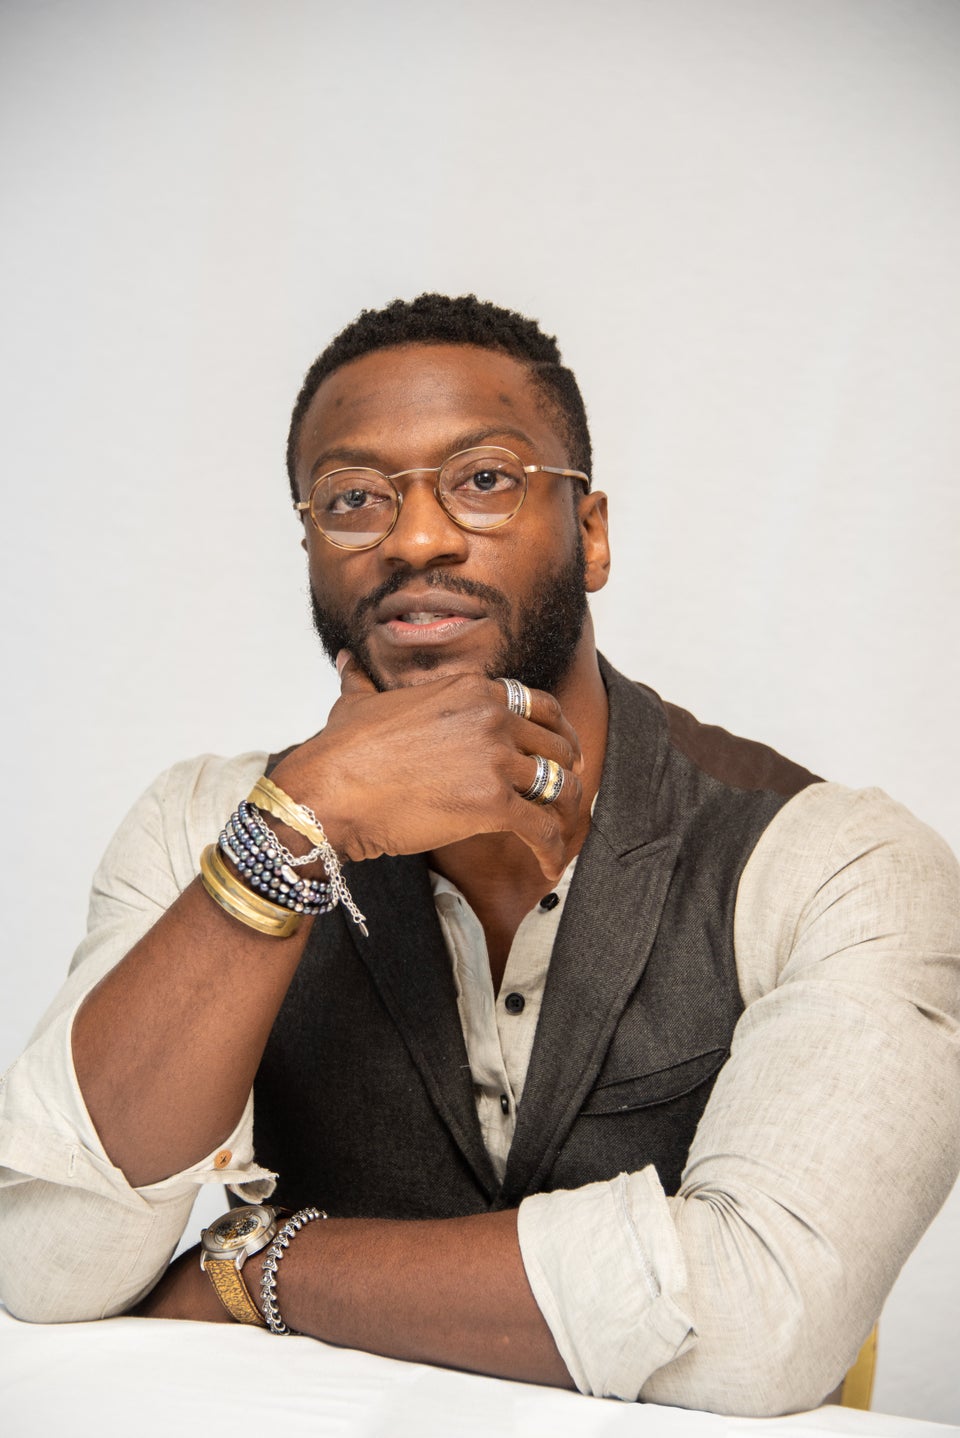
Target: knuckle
(572, 789)
(552, 708)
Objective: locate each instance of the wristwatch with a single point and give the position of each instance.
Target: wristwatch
(225, 1247)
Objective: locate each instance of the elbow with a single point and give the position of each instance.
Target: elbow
(34, 1296)
(765, 1365)
(45, 1300)
(38, 1308)
(70, 1255)
(49, 1290)
(792, 1384)
(772, 1388)
(49, 1293)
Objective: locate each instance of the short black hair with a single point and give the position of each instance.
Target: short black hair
(464, 320)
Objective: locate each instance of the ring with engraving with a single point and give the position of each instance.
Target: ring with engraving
(554, 785)
(547, 783)
(519, 698)
(540, 779)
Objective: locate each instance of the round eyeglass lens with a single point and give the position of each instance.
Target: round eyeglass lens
(354, 508)
(481, 488)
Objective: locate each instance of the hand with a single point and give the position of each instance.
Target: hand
(427, 765)
(184, 1291)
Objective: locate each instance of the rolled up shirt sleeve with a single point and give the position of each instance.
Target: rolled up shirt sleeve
(607, 1270)
(96, 1245)
(830, 1141)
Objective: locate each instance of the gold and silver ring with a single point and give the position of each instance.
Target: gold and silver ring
(519, 698)
(547, 783)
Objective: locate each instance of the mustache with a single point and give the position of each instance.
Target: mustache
(436, 579)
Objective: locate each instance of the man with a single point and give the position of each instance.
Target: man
(629, 1059)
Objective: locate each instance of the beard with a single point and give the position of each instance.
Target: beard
(540, 635)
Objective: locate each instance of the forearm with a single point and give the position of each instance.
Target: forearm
(446, 1291)
(166, 1046)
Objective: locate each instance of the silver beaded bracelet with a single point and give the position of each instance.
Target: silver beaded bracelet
(271, 1261)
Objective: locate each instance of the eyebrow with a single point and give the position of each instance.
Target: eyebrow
(370, 459)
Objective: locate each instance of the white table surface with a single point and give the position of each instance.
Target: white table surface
(156, 1379)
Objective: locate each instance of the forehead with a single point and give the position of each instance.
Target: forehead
(417, 403)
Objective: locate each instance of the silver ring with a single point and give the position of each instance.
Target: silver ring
(519, 699)
(540, 780)
(547, 783)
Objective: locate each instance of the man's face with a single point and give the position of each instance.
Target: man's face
(433, 598)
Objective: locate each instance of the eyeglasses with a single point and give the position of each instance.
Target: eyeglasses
(479, 489)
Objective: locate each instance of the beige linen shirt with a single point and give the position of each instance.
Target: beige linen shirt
(831, 1138)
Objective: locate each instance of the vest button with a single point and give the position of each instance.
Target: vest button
(549, 901)
(504, 1103)
(514, 1003)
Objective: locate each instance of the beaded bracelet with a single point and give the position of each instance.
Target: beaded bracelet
(256, 826)
(267, 795)
(271, 1261)
(269, 885)
(268, 867)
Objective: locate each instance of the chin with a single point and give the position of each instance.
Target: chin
(422, 667)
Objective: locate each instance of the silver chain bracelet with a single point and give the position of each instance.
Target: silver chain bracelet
(271, 1261)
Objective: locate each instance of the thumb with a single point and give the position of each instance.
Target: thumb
(353, 679)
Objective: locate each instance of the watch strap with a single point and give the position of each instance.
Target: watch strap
(232, 1291)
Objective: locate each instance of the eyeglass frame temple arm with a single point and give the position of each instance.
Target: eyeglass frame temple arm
(552, 469)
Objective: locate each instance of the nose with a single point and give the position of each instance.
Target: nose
(424, 534)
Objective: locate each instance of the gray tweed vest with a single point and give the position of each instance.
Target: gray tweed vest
(364, 1099)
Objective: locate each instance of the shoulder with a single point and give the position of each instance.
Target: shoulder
(186, 805)
(153, 856)
(667, 774)
(687, 758)
(155, 852)
(735, 761)
(838, 870)
(208, 786)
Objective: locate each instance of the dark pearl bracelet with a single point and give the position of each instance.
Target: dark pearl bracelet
(267, 867)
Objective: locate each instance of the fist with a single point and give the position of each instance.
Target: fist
(420, 767)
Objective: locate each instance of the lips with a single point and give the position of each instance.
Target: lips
(433, 617)
(425, 618)
(427, 608)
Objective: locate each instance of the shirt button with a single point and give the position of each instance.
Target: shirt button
(504, 1103)
(549, 901)
(514, 1003)
(223, 1158)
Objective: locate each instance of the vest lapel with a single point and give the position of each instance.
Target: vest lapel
(407, 960)
(604, 940)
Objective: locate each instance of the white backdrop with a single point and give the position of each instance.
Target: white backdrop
(741, 217)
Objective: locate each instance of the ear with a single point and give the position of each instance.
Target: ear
(592, 516)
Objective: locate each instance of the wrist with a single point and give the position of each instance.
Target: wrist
(231, 1253)
(273, 1257)
(184, 1292)
(267, 797)
(306, 786)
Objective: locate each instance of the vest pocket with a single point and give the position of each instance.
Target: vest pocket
(619, 1095)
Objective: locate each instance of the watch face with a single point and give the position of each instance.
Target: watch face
(235, 1230)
